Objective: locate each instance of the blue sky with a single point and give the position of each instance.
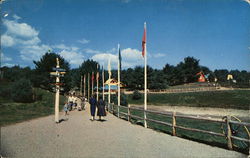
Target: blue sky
(216, 31)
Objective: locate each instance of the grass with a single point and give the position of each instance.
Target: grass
(12, 112)
(196, 124)
(235, 99)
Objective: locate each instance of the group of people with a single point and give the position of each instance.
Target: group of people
(74, 102)
(79, 103)
(100, 105)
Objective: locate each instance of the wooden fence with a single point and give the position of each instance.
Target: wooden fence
(183, 90)
(228, 134)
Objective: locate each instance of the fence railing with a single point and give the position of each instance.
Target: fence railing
(227, 121)
(181, 90)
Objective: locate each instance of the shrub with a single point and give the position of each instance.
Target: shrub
(5, 92)
(136, 95)
(22, 91)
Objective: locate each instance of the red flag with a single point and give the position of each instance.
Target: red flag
(93, 76)
(144, 41)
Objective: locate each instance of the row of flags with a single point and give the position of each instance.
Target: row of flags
(144, 54)
(120, 57)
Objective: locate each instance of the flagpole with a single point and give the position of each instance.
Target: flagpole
(103, 84)
(92, 83)
(81, 86)
(119, 92)
(145, 82)
(109, 69)
(88, 86)
(84, 86)
(97, 84)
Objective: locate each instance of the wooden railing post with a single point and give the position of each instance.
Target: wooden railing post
(174, 123)
(129, 112)
(229, 133)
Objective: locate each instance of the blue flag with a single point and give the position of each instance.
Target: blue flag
(120, 58)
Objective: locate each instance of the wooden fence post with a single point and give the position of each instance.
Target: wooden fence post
(229, 133)
(173, 123)
(129, 112)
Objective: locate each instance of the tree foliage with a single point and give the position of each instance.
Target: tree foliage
(44, 66)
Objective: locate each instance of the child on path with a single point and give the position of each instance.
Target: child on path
(65, 108)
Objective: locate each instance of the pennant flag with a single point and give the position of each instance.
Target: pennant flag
(144, 41)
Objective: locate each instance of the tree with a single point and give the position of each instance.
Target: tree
(221, 75)
(44, 66)
(190, 68)
(16, 72)
(87, 67)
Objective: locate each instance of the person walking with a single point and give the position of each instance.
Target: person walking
(70, 101)
(101, 109)
(66, 108)
(93, 103)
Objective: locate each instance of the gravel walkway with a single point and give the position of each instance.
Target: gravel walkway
(77, 136)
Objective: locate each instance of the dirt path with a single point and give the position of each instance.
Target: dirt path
(77, 136)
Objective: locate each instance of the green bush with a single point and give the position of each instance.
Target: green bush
(22, 91)
(5, 92)
(136, 95)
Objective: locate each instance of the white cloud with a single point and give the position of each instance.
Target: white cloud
(5, 58)
(7, 41)
(130, 58)
(131, 54)
(72, 57)
(83, 41)
(91, 51)
(8, 65)
(64, 47)
(32, 41)
(22, 30)
(33, 52)
(61, 46)
(25, 39)
(158, 55)
(16, 17)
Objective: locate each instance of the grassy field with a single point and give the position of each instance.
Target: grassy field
(235, 99)
(12, 112)
(196, 124)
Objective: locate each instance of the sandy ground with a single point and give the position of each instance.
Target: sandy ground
(77, 136)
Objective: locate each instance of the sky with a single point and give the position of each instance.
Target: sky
(217, 32)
